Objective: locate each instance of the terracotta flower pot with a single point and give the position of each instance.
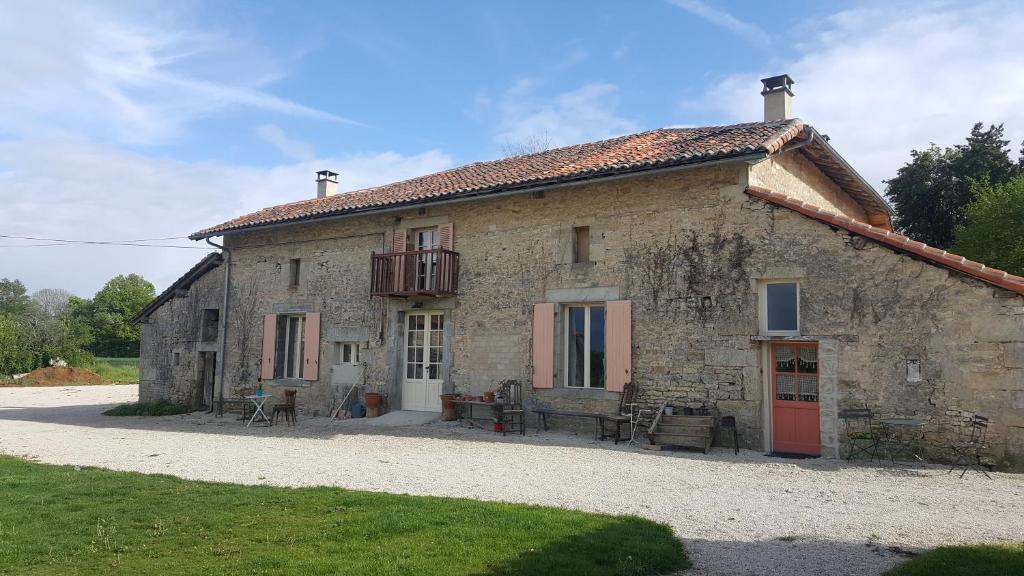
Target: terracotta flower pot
(488, 396)
(448, 412)
(373, 399)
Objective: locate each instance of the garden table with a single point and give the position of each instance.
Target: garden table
(902, 437)
(466, 415)
(258, 401)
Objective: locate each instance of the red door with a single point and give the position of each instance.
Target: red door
(795, 421)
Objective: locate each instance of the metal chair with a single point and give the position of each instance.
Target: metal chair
(861, 434)
(727, 423)
(513, 416)
(966, 450)
(287, 408)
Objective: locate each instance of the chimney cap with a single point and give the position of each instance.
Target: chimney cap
(774, 83)
(327, 175)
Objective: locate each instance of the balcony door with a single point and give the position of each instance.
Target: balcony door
(426, 263)
(424, 355)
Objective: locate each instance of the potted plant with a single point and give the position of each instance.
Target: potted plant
(448, 411)
(489, 396)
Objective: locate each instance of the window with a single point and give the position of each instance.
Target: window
(581, 245)
(426, 264)
(294, 267)
(584, 346)
(346, 352)
(211, 318)
(177, 358)
(290, 345)
(780, 308)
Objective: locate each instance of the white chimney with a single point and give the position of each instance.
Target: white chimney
(778, 98)
(326, 183)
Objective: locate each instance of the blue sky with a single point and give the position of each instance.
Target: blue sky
(140, 120)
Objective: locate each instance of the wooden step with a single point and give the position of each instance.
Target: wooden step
(684, 430)
(688, 441)
(680, 420)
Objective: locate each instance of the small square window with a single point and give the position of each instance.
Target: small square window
(294, 267)
(347, 353)
(581, 244)
(781, 308)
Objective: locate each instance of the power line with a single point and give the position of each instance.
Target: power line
(67, 242)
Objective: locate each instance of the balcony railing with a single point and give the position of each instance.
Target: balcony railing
(415, 273)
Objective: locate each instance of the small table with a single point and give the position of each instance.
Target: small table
(897, 439)
(258, 400)
(467, 415)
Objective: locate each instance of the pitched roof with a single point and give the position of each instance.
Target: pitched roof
(208, 263)
(663, 148)
(896, 241)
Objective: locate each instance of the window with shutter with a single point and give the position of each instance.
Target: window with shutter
(543, 345)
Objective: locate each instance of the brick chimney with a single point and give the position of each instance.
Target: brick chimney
(326, 183)
(778, 98)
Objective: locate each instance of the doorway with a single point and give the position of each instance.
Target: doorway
(424, 356)
(796, 423)
(202, 396)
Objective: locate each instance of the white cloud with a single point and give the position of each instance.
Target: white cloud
(290, 147)
(724, 19)
(71, 188)
(130, 78)
(884, 79)
(582, 115)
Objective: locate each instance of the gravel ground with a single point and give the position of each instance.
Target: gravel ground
(737, 515)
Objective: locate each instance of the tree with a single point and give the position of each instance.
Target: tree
(530, 145)
(16, 348)
(931, 192)
(14, 300)
(994, 232)
(52, 301)
(108, 315)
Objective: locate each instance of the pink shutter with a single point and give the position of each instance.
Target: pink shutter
(619, 339)
(543, 345)
(311, 345)
(269, 344)
(398, 263)
(446, 236)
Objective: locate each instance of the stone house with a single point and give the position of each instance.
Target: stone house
(747, 269)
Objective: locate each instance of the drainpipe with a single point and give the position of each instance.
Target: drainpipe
(219, 383)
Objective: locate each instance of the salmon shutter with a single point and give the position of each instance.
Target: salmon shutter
(619, 337)
(543, 345)
(398, 263)
(311, 347)
(269, 339)
(398, 240)
(446, 235)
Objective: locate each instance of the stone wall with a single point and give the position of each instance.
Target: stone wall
(793, 173)
(171, 341)
(689, 248)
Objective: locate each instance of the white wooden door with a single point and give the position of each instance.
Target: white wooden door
(424, 355)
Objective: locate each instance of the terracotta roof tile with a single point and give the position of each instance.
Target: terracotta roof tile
(636, 152)
(897, 241)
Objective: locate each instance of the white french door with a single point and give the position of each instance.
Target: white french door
(424, 355)
(426, 264)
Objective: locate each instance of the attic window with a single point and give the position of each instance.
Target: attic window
(294, 267)
(780, 308)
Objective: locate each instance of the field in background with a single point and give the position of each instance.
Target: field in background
(117, 370)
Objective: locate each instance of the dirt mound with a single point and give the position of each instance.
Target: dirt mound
(59, 377)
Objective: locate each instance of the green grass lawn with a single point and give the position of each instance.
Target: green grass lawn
(973, 560)
(58, 520)
(116, 370)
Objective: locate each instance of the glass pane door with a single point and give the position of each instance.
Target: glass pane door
(426, 264)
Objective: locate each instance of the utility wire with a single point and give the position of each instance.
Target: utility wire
(66, 242)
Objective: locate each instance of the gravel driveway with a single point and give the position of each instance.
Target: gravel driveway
(745, 514)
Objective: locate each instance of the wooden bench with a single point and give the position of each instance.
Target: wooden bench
(600, 418)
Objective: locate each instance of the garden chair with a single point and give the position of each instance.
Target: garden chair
(623, 416)
(287, 408)
(861, 434)
(513, 416)
(966, 450)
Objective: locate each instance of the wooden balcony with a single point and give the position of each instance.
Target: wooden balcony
(415, 273)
